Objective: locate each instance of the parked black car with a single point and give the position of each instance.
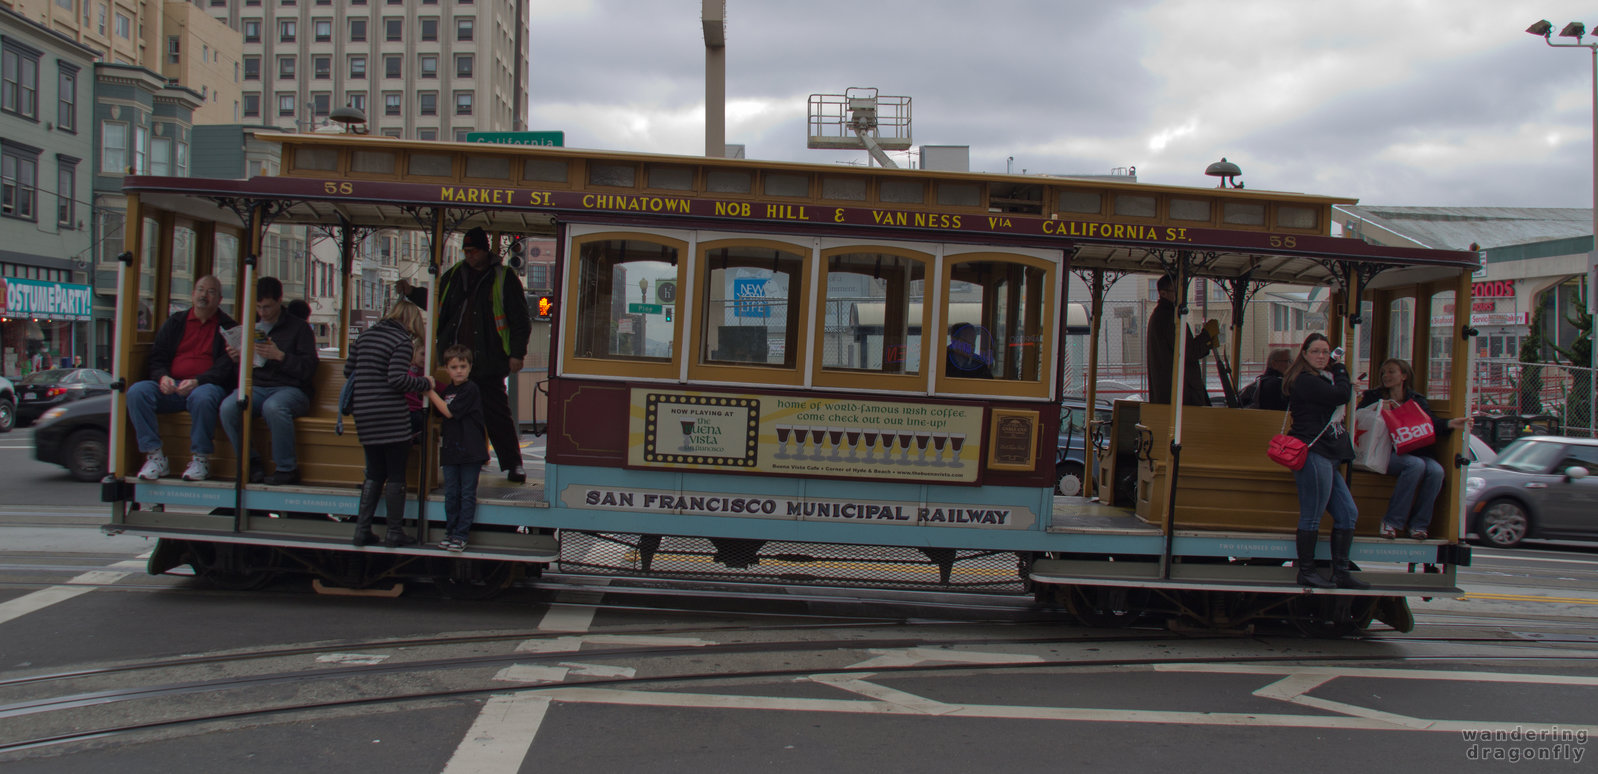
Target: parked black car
(77, 436)
(41, 391)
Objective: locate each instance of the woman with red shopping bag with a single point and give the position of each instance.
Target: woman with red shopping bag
(1414, 428)
(1316, 386)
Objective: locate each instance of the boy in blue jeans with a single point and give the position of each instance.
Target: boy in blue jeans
(465, 447)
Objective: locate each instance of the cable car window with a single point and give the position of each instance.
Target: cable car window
(1401, 329)
(1440, 361)
(748, 319)
(872, 313)
(224, 264)
(994, 326)
(152, 243)
(619, 316)
(181, 294)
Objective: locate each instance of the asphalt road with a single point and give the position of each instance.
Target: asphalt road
(43, 483)
(587, 674)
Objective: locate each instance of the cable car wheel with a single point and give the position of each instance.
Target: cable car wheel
(1331, 615)
(472, 579)
(233, 567)
(1106, 607)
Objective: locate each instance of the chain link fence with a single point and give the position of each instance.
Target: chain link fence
(1514, 399)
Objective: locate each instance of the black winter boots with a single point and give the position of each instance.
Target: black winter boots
(1307, 574)
(394, 503)
(364, 513)
(1342, 541)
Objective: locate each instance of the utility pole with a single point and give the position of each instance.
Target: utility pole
(714, 18)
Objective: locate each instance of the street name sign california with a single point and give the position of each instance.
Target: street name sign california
(550, 139)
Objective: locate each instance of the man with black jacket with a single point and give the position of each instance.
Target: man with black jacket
(280, 385)
(482, 306)
(188, 370)
(1161, 350)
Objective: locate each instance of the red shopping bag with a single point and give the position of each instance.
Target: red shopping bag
(1411, 427)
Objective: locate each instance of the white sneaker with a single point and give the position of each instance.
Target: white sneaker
(199, 469)
(155, 466)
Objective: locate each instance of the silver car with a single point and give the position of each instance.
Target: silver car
(1538, 487)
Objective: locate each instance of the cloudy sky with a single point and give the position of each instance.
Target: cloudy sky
(1399, 102)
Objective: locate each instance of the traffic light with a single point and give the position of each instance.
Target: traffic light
(668, 314)
(544, 308)
(518, 256)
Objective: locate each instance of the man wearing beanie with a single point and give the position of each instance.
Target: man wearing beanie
(482, 306)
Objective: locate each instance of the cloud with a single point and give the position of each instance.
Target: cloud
(1444, 102)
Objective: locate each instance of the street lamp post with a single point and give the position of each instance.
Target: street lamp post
(1544, 29)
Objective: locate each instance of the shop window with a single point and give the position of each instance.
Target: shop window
(748, 319)
(620, 284)
(994, 323)
(872, 313)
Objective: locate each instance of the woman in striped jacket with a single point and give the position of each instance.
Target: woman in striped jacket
(379, 364)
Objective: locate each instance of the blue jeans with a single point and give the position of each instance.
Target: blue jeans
(280, 405)
(1320, 489)
(1420, 479)
(460, 499)
(145, 400)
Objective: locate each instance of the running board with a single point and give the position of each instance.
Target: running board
(328, 536)
(1230, 577)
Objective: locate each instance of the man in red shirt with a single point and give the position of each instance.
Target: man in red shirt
(188, 370)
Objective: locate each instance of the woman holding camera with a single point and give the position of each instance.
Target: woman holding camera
(1316, 385)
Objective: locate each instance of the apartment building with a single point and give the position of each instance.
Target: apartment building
(419, 69)
(174, 39)
(46, 152)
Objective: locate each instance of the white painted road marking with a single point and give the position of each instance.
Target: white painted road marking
(498, 740)
(572, 644)
(526, 673)
(356, 659)
(898, 657)
(82, 584)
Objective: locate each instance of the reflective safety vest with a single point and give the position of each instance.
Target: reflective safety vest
(498, 303)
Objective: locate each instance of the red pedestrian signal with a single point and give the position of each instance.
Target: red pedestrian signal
(546, 307)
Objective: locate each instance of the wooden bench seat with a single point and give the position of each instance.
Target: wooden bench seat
(324, 457)
(1227, 482)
